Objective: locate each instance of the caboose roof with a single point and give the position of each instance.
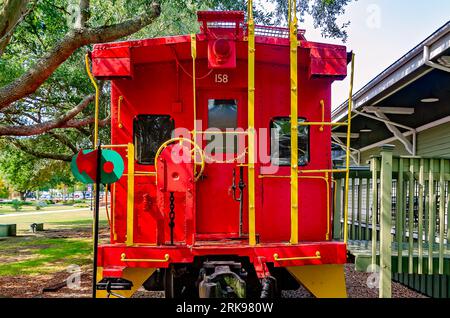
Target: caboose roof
(160, 49)
(115, 60)
(274, 39)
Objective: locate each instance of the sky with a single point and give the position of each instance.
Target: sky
(382, 31)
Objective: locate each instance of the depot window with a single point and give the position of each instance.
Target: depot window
(150, 132)
(280, 142)
(222, 115)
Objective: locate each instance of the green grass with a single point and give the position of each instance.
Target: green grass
(29, 254)
(7, 208)
(76, 224)
(47, 255)
(50, 220)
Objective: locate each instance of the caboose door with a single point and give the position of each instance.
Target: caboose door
(222, 114)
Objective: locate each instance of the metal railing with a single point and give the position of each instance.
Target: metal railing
(401, 208)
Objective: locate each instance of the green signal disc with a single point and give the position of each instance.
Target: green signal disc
(116, 159)
(82, 177)
(106, 178)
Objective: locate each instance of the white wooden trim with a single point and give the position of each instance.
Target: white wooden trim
(408, 133)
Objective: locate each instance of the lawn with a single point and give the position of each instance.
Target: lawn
(50, 220)
(66, 240)
(7, 208)
(41, 255)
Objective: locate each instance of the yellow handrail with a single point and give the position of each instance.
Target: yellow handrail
(194, 84)
(300, 258)
(97, 94)
(323, 170)
(347, 165)
(115, 146)
(327, 182)
(142, 174)
(293, 40)
(145, 173)
(251, 126)
(194, 145)
(113, 213)
(130, 195)
(322, 105)
(321, 123)
(119, 104)
(222, 132)
(124, 258)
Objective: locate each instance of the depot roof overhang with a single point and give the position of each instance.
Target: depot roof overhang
(403, 85)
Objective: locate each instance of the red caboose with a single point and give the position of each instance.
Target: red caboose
(219, 199)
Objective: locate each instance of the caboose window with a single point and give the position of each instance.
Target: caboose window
(222, 115)
(150, 131)
(280, 141)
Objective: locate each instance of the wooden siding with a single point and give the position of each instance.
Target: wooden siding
(433, 142)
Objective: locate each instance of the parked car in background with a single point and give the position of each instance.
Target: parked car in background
(45, 196)
(78, 195)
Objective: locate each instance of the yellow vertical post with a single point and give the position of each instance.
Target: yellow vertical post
(294, 120)
(130, 195)
(194, 90)
(347, 162)
(113, 213)
(97, 94)
(251, 126)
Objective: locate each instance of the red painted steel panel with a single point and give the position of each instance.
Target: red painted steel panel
(111, 67)
(160, 82)
(330, 252)
(112, 62)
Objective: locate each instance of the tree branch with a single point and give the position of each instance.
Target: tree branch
(63, 140)
(30, 81)
(84, 122)
(38, 154)
(44, 127)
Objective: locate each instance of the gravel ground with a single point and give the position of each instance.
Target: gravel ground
(357, 287)
(32, 287)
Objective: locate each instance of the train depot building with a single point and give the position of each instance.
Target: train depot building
(400, 125)
(407, 105)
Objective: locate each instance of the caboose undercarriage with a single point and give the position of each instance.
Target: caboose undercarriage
(223, 269)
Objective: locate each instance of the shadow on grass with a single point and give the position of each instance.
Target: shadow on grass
(43, 254)
(49, 255)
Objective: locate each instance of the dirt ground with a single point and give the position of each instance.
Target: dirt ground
(54, 285)
(33, 287)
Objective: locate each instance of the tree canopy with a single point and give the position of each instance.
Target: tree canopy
(46, 109)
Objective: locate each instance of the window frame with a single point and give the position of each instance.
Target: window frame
(300, 119)
(135, 120)
(237, 100)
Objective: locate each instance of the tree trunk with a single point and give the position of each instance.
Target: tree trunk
(12, 12)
